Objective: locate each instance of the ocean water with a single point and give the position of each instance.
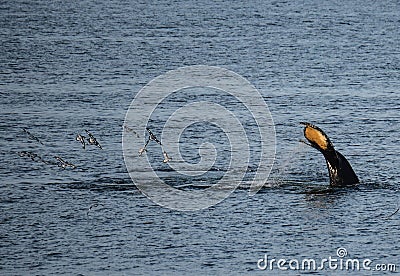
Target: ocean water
(76, 65)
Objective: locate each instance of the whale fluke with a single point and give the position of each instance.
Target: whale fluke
(340, 171)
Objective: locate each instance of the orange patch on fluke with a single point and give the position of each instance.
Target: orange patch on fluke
(316, 136)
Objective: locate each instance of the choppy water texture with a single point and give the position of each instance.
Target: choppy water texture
(67, 66)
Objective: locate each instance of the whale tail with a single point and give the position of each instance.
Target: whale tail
(340, 171)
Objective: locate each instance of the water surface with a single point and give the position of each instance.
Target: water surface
(70, 66)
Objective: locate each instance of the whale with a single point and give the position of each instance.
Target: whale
(341, 174)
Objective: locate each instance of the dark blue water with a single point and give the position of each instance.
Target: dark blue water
(76, 65)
